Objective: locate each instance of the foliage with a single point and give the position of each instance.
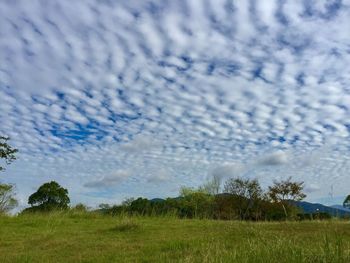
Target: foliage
(248, 194)
(286, 190)
(346, 202)
(80, 208)
(225, 207)
(7, 152)
(104, 206)
(140, 206)
(196, 204)
(273, 211)
(7, 199)
(128, 201)
(49, 196)
(244, 200)
(314, 216)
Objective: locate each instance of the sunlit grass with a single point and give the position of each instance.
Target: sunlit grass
(90, 237)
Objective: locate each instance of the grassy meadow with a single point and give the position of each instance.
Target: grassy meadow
(83, 237)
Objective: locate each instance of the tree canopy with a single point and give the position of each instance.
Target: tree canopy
(247, 191)
(50, 196)
(346, 202)
(286, 190)
(6, 151)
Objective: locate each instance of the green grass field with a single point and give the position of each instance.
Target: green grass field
(97, 238)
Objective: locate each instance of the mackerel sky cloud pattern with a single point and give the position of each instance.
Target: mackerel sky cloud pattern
(135, 98)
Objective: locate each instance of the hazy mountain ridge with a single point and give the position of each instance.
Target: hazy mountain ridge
(335, 210)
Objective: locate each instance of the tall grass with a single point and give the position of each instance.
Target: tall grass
(92, 237)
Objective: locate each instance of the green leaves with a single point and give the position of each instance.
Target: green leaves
(248, 194)
(6, 151)
(50, 196)
(286, 190)
(346, 202)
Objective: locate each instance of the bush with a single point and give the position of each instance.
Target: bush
(314, 216)
(79, 208)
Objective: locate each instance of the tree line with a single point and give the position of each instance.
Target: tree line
(241, 199)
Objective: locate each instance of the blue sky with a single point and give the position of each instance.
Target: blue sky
(115, 99)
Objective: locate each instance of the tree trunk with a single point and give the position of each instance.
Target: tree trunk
(285, 210)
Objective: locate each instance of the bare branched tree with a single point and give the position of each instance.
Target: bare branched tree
(286, 190)
(7, 199)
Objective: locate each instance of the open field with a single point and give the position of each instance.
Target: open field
(96, 238)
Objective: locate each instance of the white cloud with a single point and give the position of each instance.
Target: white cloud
(141, 143)
(276, 158)
(159, 176)
(312, 188)
(226, 171)
(109, 181)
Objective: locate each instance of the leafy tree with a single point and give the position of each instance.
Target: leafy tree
(6, 151)
(104, 206)
(195, 203)
(49, 196)
(185, 191)
(225, 207)
(284, 191)
(140, 206)
(273, 211)
(7, 200)
(248, 192)
(127, 202)
(346, 203)
(80, 207)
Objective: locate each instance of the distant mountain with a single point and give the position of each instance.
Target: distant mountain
(308, 208)
(340, 207)
(157, 200)
(314, 208)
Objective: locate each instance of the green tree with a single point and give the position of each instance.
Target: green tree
(80, 207)
(141, 206)
(6, 151)
(248, 192)
(49, 196)
(346, 203)
(196, 203)
(104, 206)
(127, 201)
(7, 199)
(285, 191)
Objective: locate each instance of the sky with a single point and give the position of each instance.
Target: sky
(118, 99)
